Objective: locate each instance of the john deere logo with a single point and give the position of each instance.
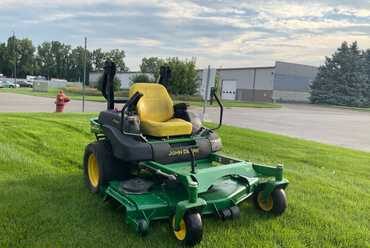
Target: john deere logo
(181, 152)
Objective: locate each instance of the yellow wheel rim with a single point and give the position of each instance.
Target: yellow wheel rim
(93, 170)
(264, 205)
(180, 234)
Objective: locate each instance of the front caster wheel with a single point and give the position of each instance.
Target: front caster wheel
(232, 213)
(191, 229)
(142, 227)
(275, 203)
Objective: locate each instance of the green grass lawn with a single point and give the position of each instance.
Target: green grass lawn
(76, 95)
(44, 202)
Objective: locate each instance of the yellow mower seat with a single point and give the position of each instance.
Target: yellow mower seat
(155, 109)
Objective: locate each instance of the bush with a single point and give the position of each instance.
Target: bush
(140, 78)
(184, 76)
(116, 83)
(92, 91)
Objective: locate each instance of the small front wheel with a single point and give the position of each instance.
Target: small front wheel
(191, 229)
(275, 203)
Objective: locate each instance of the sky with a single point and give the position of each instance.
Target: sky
(222, 33)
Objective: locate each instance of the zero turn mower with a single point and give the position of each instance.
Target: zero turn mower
(157, 160)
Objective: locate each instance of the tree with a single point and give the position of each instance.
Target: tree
(25, 57)
(54, 59)
(184, 77)
(11, 56)
(152, 65)
(98, 59)
(3, 58)
(116, 83)
(44, 59)
(60, 53)
(117, 56)
(18, 52)
(77, 59)
(140, 78)
(366, 56)
(342, 80)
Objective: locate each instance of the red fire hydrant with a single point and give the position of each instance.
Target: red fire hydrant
(61, 101)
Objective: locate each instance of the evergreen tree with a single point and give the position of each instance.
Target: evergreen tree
(366, 56)
(342, 80)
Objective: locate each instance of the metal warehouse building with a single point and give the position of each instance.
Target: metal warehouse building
(282, 82)
(285, 82)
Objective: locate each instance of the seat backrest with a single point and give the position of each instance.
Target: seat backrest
(155, 104)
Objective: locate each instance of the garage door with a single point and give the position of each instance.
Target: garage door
(228, 89)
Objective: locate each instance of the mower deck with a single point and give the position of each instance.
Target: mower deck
(219, 183)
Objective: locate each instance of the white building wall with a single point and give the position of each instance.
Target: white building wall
(264, 79)
(124, 77)
(94, 77)
(243, 77)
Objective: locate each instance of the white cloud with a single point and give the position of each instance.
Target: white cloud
(139, 42)
(228, 33)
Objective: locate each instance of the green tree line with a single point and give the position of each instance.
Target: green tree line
(53, 59)
(344, 79)
(184, 77)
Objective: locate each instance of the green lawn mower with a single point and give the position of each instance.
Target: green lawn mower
(157, 160)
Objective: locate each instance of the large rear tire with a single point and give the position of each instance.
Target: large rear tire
(100, 166)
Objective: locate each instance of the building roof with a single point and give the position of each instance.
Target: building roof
(127, 72)
(246, 68)
(296, 64)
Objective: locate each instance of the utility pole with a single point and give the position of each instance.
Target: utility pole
(206, 92)
(15, 58)
(84, 81)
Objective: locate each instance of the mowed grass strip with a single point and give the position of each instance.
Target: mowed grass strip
(44, 202)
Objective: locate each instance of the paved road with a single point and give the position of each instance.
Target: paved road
(343, 127)
(22, 103)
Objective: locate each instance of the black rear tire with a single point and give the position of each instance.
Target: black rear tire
(108, 168)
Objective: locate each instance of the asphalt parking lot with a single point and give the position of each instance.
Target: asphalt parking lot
(337, 126)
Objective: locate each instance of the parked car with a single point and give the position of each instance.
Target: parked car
(8, 84)
(24, 84)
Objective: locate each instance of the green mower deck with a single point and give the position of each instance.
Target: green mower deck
(219, 184)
